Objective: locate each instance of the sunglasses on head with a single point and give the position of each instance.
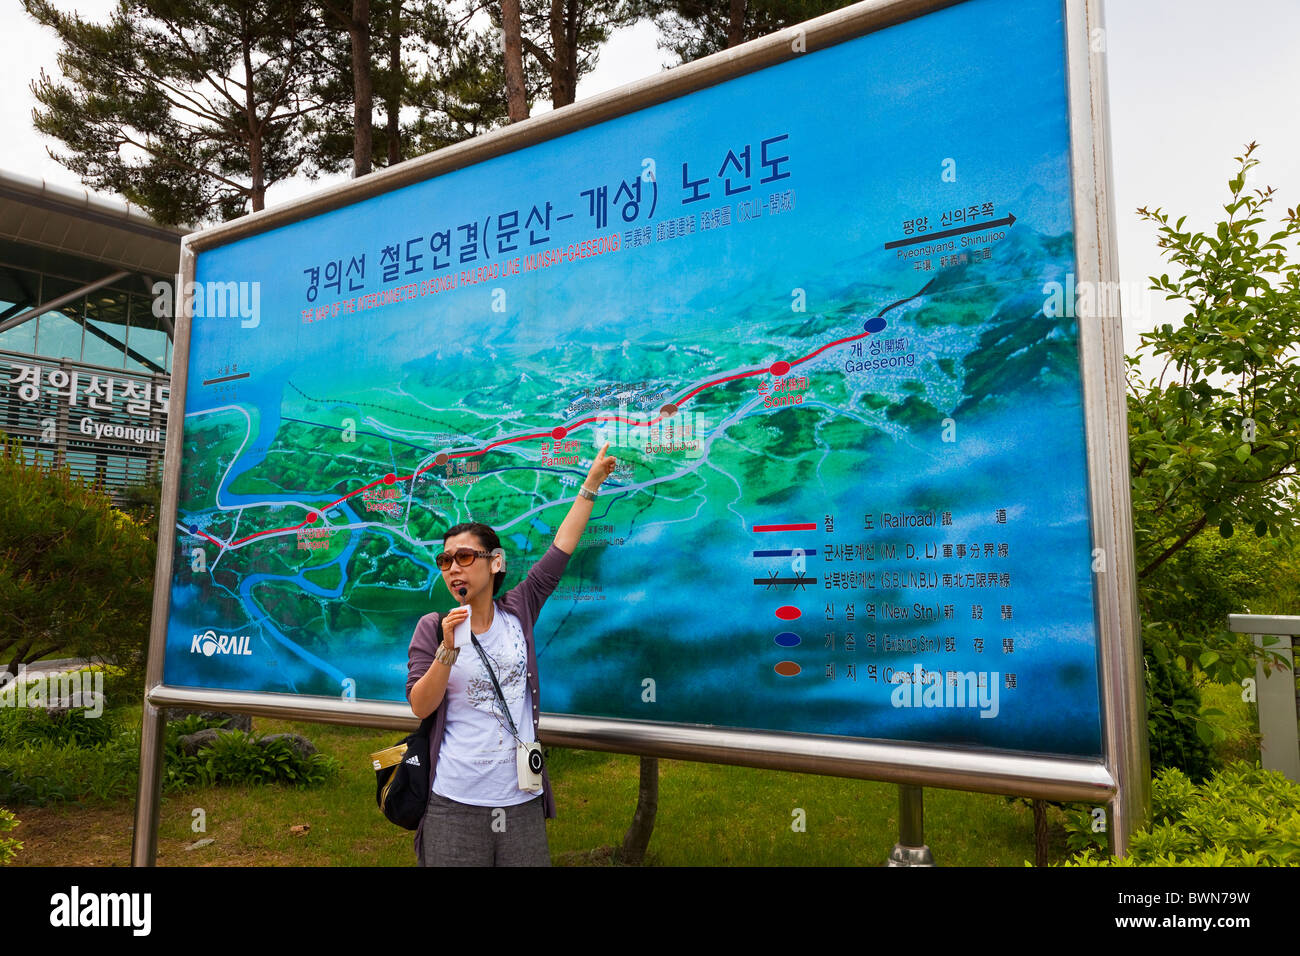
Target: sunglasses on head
(462, 556)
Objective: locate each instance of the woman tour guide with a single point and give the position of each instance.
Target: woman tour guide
(487, 806)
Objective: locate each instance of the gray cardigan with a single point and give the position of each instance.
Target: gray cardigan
(525, 602)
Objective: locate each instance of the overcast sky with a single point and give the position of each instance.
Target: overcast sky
(1191, 82)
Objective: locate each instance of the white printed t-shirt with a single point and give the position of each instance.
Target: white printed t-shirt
(476, 764)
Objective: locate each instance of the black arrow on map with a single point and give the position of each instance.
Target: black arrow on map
(930, 236)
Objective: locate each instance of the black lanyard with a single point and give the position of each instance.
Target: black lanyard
(505, 708)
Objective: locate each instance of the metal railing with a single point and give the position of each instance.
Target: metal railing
(1275, 690)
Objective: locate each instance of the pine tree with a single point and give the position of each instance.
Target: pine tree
(563, 36)
(76, 574)
(692, 29)
(190, 109)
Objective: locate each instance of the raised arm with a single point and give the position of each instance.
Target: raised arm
(575, 522)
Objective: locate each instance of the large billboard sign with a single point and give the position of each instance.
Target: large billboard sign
(820, 299)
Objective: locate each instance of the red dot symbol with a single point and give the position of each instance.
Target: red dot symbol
(787, 612)
(311, 518)
(558, 432)
(779, 368)
(389, 478)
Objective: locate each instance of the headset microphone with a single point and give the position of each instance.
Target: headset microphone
(462, 591)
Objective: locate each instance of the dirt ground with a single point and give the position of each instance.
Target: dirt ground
(74, 836)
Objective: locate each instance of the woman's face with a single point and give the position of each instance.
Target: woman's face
(476, 578)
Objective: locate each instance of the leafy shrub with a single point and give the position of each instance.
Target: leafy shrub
(44, 772)
(181, 770)
(8, 847)
(1237, 720)
(22, 726)
(43, 765)
(1241, 816)
(1178, 734)
(122, 688)
(191, 724)
(76, 575)
(237, 757)
(66, 757)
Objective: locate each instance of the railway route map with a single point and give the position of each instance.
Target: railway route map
(806, 307)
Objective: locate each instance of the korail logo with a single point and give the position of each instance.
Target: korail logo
(210, 642)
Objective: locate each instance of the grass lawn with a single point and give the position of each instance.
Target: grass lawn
(708, 815)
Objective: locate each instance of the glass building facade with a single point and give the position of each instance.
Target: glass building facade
(112, 328)
(84, 384)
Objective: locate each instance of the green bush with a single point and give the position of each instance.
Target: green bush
(76, 574)
(43, 772)
(21, 726)
(8, 847)
(1185, 608)
(237, 757)
(123, 689)
(1212, 451)
(51, 766)
(51, 758)
(192, 724)
(1241, 816)
(1235, 718)
(1178, 733)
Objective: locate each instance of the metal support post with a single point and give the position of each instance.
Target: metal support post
(144, 842)
(910, 850)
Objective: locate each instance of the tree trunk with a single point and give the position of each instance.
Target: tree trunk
(1040, 833)
(517, 103)
(256, 163)
(736, 23)
(257, 192)
(559, 40)
(564, 53)
(571, 52)
(363, 90)
(638, 834)
(396, 83)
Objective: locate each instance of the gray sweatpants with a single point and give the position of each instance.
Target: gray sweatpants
(456, 834)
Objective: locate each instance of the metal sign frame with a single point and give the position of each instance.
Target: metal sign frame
(1120, 778)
